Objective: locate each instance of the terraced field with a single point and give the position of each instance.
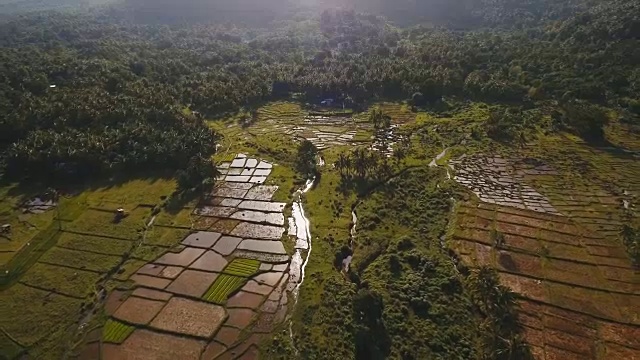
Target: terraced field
(210, 285)
(554, 237)
(547, 218)
(242, 267)
(224, 286)
(116, 332)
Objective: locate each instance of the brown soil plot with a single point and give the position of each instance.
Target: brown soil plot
(210, 261)
(227, 335)
(573, 273)
(150, 281)
(215, 211)
(147, 345)
(115, 299)
(190, 317)
(573, 343)
(224, 226)
(213, 350)
(553, 353)
(171, 272)
(226, 245)
(151, 269)
(621, 334)
(261, 192)
(569, 326)
(151, 294)
(192, 283)
(245, 300)
(531, 288)
(201, 239)
(520, 263)
(138, 310)
(270, 278)
(183, 258)
(240, 318)
(90, 352)
(255, 231)
(254, 287)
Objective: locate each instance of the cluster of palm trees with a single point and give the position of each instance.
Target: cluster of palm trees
(362, 163)
(89, 132)
(379, 119)
(497, 305)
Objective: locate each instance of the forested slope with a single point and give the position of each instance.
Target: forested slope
(114, 75)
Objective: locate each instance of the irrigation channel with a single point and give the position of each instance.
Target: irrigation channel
(299, 226)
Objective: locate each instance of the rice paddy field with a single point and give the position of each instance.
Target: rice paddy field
(225, 276)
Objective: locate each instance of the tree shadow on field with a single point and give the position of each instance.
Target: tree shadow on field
(506, 261)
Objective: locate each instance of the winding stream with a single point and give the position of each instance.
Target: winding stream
(299, 227)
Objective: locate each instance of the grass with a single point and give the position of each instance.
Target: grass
(39, 320)
(223, 287)
(80, 259)
(280, 111)
(131, 192)
(95, 244)
(41, 312)
(165, 236)
(363, 135)
(116, 332)
(101, 223)
(33, 235)
(63, 280)
(148, 252)
(24, 228)
(285, 179)
(128, 268)
(182, 218)
(9, 349)
(223, 157)
(28, 255)
(242, 267)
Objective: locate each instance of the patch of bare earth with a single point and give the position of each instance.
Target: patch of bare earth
(148, 345)
(190, 317)
(183, 258)
(151, 294)
(227, 335)
(571, 277)
(192, 283)
(245, 300)
(138, 310)
(210, 261)
(240, 318)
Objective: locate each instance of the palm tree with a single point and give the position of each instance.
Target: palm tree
(348, 164)
(340, 163)
(360, 162)
(484, 285)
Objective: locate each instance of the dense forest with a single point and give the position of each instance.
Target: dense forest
(91, 89)
(98, 91)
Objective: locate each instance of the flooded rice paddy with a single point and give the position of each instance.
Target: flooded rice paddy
(501, 181)
(222, 288)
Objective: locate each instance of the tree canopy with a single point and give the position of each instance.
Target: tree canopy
(94, 91)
